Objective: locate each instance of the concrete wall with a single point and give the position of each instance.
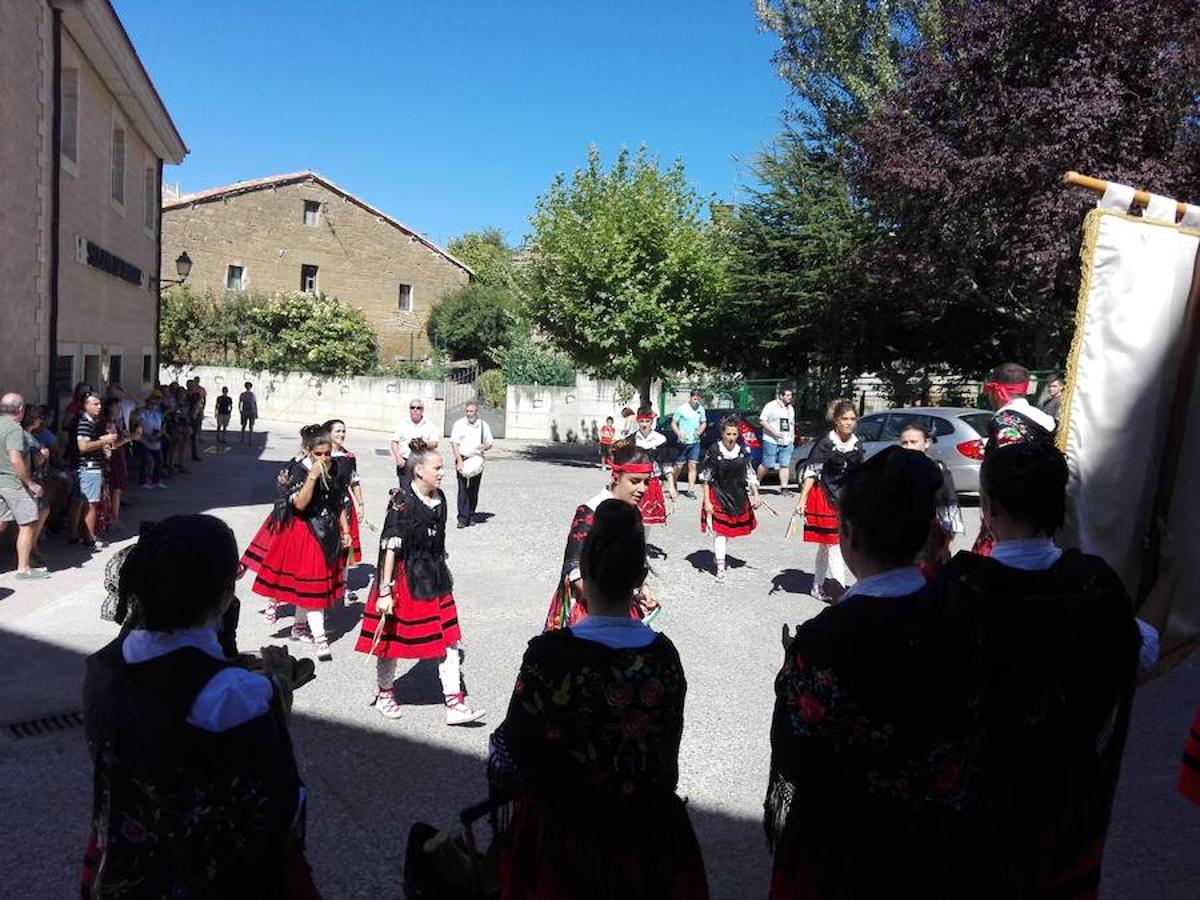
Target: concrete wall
(100, 315)
(569, 414)
(26, 84)
(375, 404)
(362, 259)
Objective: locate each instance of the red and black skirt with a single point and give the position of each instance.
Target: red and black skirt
(821, 520)
(294, 569)
(354, 556)
(256, 552)
(1189, 769)
(653, 505)
(414, 629)
(568, 607)
(723, 523)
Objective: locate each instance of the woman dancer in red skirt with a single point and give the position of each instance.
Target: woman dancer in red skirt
(299, 559)
(410, 612)
(346, 466)
(631, 471)
(653, 505)
(835, 455)
(731, 490)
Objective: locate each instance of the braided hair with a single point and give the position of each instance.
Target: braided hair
(1029, 481)
(891, 499)
(178, 574)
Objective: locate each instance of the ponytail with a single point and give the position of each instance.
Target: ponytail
(614, 553)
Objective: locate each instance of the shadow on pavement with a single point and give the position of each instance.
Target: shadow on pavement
(578, 456)
(792, 581)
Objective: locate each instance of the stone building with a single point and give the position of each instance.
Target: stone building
(301, 232)
(81, 153)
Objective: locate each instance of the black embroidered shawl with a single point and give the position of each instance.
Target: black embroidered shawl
(834, 463)
(422, 534)
(728, 477)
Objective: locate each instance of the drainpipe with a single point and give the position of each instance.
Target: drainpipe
(158, 271)
(55, 237)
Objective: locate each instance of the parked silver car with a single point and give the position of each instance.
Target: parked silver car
(958, 437)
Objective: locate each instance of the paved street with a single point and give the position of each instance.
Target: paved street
(369, 778)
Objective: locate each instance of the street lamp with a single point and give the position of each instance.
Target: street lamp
(183, 268)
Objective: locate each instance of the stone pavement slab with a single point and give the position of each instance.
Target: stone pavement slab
(369, 779)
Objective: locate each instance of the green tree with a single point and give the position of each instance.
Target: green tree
(312, 333)
(182, 326)
(798, 288)
(624, 272)
(529, 361)
(842, 56)
(488, 255)
(475, 322)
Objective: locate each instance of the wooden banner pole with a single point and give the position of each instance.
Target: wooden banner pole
(1097, 186)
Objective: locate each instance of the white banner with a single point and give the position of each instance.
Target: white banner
(1120, 380)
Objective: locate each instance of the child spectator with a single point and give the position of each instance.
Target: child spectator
(607, 435)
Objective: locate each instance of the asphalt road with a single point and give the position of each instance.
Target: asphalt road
(369, 779)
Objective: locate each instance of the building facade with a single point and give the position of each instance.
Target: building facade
(81, 166)
(301, 232)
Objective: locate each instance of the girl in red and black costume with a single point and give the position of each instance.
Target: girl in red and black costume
(731, 491)
(653, 505)
(1015, 421)
(632, 470)
(410, 612)
(835, 456)
(307, 533)
(346, 466)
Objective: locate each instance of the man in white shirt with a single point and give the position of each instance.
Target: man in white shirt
(415, 426)
(469, 437)
(778, 437)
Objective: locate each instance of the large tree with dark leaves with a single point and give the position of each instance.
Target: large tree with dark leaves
(961, 162)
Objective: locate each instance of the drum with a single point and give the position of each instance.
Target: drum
(472, 467)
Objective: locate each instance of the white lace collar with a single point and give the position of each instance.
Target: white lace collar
(843, 446)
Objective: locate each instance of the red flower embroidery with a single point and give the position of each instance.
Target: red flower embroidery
(619, 694)
(636, 725)
(812, 710)
(652, 692)
(134, 831)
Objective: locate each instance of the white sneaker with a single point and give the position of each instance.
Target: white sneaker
(385, 703)
(459, 712)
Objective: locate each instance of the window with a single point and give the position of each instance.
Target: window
(69, 136)
(897, 422)
(978, 421)
(311, 210)
(941, 427)
(150, 192)
(116, 367)
(233, 278)
(147, 368)
(91, 370)
(64, 375)
(308, 279)
(118, 164)
(405, 302)
(869, 427)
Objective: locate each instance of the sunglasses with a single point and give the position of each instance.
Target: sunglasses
(416, 407)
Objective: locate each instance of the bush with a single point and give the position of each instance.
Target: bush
(474, 322)
(493, 389)
(527, 361)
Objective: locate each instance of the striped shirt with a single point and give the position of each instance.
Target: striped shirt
(86, 431)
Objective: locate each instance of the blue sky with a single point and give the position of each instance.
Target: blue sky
(453, 115)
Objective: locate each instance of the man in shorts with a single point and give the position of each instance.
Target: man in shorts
(248, 410)
(224, 412)
(779, 436)
(19, 493)
(689, 423)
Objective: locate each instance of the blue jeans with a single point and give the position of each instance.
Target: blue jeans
(776, 456)
(688, 453)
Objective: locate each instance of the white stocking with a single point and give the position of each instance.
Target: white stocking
(448, 671)
(720, 542)
(315, 619)
(385, 673)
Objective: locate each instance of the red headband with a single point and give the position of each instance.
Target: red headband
(1006, 393)
(649, 417)
(633, 469)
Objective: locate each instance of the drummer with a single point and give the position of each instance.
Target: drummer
(470, 437)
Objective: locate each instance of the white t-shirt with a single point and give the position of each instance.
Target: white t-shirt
(408, 429)
(782, 419)
(470, 437)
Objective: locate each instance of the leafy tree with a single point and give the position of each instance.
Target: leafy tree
(182, 326)
(475, 322)
(798, 289)
(624, 273)
(313, 333)
(529, 361)
(842, 56)
(488, 254)
(961, 163)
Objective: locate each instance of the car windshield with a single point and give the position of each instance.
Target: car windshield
(978, 421)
